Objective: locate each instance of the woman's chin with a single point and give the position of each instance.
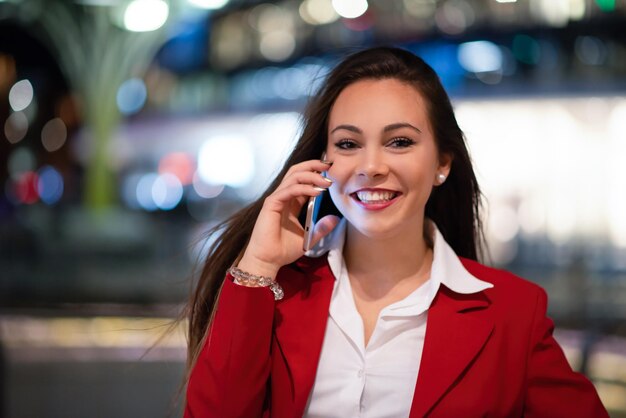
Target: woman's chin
(375, 230)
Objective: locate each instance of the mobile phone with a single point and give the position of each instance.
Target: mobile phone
(312, 210)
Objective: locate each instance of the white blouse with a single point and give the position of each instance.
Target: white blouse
(377, 380)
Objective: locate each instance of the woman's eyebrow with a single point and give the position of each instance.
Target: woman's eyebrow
(350, 128)
(400, 125)
(388, 128)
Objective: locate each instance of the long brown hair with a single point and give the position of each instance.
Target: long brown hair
(453, 206)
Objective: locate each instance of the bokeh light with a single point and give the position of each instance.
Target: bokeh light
(53, 134)
(167, 191)
(526, 49)
(226, 160)
(26, 187)
(577, 9)
(454, 17)
(152, 191)
(205, 190)
(131, 96)
(268, 17)
(49, 185)
(591, 50)
(143, 192)
(129, 190)
(21, 95)
(208, 4)
(145, 15)
(16, 127)
(606, 5)
(480, 56)
(350, 9)
(422, 9)
(180, 164)
(277, 45)
(277, 40)
(20, 161)
(7, 71)
(318, 12)
(553, 12)
(230, 43)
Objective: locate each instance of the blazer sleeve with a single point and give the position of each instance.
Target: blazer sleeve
(553, 388)
(231, 374)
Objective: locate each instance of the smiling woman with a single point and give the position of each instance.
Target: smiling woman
(390, 314)
(385, 157)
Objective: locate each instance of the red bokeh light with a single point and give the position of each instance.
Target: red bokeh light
(180, 164)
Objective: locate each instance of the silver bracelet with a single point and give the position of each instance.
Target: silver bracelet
(252, 280)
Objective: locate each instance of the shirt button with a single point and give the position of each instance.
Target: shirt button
(360, 373)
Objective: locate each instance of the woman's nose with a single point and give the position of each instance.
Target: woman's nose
(372, 164)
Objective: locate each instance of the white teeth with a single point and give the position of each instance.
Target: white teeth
(372, 197)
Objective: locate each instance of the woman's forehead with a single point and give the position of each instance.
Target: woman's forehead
(370, 103)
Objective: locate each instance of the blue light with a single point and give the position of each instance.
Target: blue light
(49, 185)
(167, 191)
(144, 192)
(480, 56)
(131, 96)
(187, 49)
(443, 58)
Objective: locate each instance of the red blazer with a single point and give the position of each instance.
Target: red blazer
(489, 354)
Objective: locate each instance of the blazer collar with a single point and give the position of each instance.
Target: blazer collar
(458, 327)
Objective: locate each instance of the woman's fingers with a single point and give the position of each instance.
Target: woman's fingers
(278, 200)
(305, 177)
(311, 165)
(323, 227)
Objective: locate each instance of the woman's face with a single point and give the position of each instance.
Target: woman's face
(385, 160)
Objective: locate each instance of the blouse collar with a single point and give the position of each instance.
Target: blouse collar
(446, 269)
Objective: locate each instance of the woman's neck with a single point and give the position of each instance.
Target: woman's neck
(378, 265)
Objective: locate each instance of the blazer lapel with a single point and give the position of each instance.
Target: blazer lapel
(300, 324)
(454, 337)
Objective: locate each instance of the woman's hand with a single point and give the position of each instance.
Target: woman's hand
(277, 237)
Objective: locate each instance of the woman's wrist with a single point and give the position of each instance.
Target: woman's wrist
(248, 279)
(257, 267)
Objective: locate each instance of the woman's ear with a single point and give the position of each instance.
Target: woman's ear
(443, 171)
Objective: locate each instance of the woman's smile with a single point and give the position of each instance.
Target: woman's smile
(375, 199)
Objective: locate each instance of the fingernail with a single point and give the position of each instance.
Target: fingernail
(327, 179)
(321, 189)
(327, 162)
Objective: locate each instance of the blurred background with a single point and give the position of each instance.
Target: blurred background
(129, 128)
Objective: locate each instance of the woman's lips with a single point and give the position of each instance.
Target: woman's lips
(374, 199)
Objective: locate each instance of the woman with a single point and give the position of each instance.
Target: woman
(391, 315)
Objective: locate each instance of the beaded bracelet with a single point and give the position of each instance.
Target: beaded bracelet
(251, 280)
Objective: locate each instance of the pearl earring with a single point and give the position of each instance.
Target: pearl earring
(441, 178)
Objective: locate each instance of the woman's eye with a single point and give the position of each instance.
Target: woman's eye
(401, 142)
(346, 144)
